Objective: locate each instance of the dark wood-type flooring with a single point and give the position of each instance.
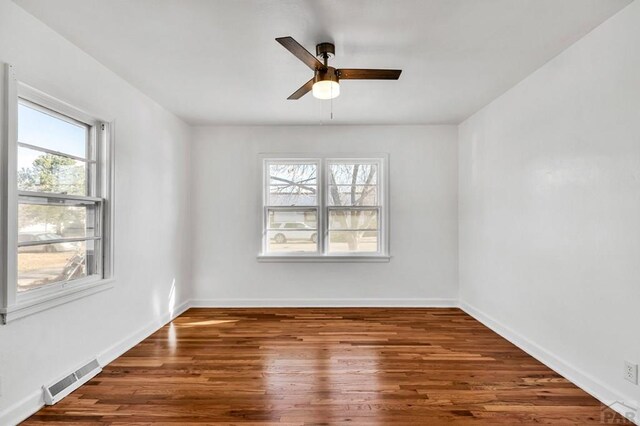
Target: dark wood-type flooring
(325, 366)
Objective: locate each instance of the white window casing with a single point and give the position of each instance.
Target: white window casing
(83, 274)
(351, 217)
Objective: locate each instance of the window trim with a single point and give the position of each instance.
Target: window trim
(12, 304)
(323, 207)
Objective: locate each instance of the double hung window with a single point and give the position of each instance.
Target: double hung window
(59, 212)
(56, 168)
(324, 207)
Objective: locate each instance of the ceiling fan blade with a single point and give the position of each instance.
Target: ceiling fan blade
(300, 52)
(365, 74)
(302, 91)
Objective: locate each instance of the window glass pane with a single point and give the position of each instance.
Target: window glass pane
(292, 231)
(353, 219)
(293, 184)
(353, 195)
(353, 231)
(48, 131)
(45, 264)
(353, 174)
(42, 172)
(42, 219)
(353, 241)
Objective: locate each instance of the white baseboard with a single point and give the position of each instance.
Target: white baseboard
(580, 378)
(31, 404)
(22, 409)
(130, 341)
(324, 303)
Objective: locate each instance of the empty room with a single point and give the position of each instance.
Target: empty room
(319, 212)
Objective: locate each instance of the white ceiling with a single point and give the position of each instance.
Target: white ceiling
(216, 61)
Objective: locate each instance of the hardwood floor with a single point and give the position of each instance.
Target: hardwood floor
(325, 366)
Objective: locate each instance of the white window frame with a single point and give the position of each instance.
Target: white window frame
(323, 207)
(15, 304)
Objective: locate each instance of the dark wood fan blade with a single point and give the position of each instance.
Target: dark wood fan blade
(302, 91)
(300, 52)
(365, 74)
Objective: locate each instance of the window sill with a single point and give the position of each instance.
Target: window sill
(39, 301)
(324, 259)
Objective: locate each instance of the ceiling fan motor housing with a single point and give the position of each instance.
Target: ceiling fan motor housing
(330, 74)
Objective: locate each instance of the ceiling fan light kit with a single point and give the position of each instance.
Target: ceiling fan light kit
(325, 83)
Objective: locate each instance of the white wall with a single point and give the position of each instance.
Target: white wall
(549, 212)
(151, 173)
(227, 218)
(550, 208)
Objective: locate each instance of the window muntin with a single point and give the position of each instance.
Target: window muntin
(348, 212)
(59, 236)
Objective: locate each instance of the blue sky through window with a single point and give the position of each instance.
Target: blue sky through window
(46, 131)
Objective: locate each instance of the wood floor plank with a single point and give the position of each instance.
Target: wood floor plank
(373, 366)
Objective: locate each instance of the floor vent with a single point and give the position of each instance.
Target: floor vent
(63, 387)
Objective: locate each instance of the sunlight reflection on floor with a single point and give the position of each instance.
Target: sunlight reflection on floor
(202, 323)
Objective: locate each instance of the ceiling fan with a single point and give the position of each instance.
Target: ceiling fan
(325, 83)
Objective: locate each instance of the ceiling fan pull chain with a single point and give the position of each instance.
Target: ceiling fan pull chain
(331, 102)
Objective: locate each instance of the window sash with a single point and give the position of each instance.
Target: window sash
(267, 184)
(378, 230)
(267, 229)
(91, 142)
(95, 267)
(97, 259)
